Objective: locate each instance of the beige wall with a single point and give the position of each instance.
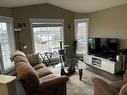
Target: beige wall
(105, 23)
(110, 23)
(43, 11)
(81, 15)
(5, 12)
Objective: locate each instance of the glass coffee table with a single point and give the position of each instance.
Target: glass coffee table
(71, 65)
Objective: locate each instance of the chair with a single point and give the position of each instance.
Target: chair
(116, 88)
(36, 78)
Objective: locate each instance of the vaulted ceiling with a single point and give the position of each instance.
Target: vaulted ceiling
(72, 5)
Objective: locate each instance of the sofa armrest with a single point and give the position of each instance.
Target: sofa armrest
(118, 84)
(123, 90)
(125, 77)
(53, 82)
(103, 88)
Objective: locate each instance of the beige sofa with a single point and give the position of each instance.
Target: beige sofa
(36, 78)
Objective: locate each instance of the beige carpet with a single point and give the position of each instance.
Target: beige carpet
(77, 87)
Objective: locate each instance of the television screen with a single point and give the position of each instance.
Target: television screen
(103, 47)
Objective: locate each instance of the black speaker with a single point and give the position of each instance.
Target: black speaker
(124, 52)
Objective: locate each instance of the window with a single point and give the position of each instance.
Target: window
(47, 36)
(6, 44)
(81, 35)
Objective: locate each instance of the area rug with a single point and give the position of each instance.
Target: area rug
(77, 87)
(83, 87)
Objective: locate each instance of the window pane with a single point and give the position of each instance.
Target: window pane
(5, 47)
(81, 36)
(46, 39)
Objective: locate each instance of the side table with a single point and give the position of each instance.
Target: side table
(7, 85)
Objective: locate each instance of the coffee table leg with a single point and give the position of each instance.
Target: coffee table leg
(80, 74)
(62, 71)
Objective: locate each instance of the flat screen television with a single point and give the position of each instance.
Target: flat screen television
(103, 47)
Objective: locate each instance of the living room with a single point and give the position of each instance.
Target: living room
(104, 19)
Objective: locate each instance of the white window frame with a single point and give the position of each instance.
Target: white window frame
(76, 21)
(34, 20)
(11, 33)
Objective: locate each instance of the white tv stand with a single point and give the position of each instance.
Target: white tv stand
(103, 64)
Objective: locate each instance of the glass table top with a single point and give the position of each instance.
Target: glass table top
(74, 63)
(68, 67)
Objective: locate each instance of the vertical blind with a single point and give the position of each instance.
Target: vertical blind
(6, 45)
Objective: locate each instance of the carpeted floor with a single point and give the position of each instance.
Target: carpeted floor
(77, 87)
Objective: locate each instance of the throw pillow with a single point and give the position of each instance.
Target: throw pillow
(34, 58)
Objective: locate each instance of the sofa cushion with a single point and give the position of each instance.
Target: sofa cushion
(38, 66)
(28, 74)
(123, 90)
(34, 58)
(43, 72)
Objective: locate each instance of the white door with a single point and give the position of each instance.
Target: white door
(6, 45)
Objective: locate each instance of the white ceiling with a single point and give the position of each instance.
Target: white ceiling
(72, 5)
